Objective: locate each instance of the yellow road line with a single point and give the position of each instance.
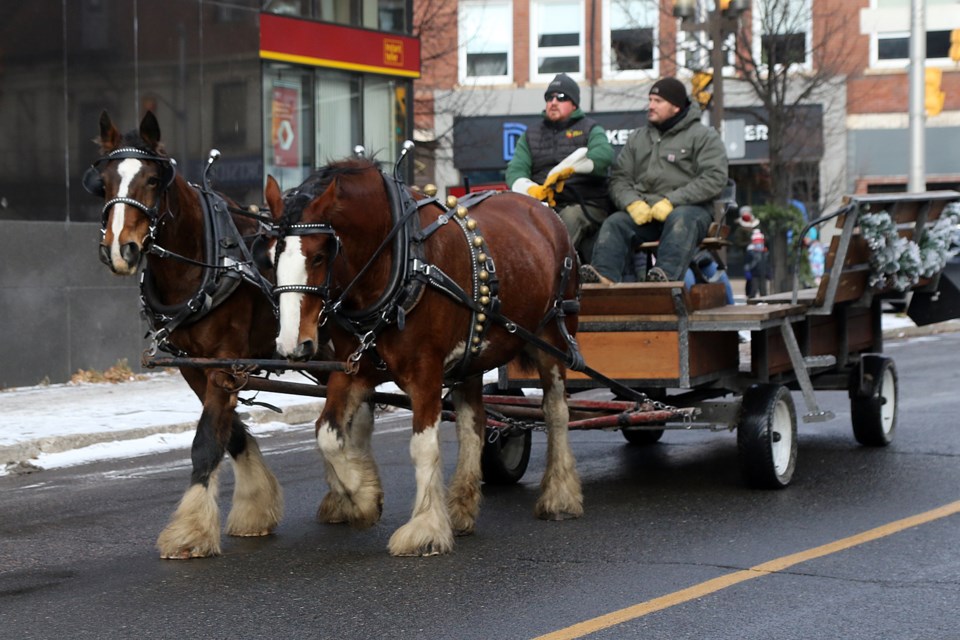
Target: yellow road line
(614, 618)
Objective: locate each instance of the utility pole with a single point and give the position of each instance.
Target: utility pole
(916, 178)
(718, 24)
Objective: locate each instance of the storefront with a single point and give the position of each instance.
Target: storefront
(277, 86)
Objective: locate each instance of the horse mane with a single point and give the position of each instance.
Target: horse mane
(296, 200)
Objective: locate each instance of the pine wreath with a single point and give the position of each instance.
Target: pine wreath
(897, 263)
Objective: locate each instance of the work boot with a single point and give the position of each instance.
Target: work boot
(656, 274)
(589, 275)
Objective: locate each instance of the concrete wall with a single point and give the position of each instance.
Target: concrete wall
(61, 309)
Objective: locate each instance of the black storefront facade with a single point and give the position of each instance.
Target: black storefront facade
(216, 77)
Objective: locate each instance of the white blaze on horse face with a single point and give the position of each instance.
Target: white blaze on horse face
(128, 170)
(291, 270)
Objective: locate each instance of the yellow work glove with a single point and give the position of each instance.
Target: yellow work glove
(661, 210)
(542, 193)
(640, 212)
(557, 177)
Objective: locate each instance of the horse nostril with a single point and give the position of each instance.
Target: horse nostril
(105, 254)
(304, 350)
(130, 253)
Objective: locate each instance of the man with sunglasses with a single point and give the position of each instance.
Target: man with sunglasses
(664, 182)
(563, 162)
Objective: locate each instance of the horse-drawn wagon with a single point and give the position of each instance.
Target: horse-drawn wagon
(661, 338)
(431, 294)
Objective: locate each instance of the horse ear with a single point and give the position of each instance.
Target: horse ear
(109, 135)
(150, 129)
(272, 195)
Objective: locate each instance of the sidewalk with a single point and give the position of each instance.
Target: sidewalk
(60, 425)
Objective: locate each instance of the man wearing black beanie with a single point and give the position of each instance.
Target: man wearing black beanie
(563, 162)
(664, 182)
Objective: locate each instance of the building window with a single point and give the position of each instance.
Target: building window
(888, 23)
(486, 36)
(556, 38)
(630, 31)
(784, 29)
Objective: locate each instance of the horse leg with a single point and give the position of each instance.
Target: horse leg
(257, 497)
(560, 493)
(356, 495)
(335, 506)
(429, 531)
(464, 497)
(194, 529)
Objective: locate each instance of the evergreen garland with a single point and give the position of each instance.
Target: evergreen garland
(898, 263)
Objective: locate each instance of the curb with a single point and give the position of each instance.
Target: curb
(30, 449)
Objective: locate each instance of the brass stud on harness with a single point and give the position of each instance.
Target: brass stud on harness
(451, 202)
(461, 212)
(478, 328)
(478, 241)
(476, 339)
(430, 189)
(484, 290)
(483, 275)
(481, 257)
(474, 350)
(484, 300)
(471, 224)
(481, 317)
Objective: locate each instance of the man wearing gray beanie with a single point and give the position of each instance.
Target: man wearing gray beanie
(563, 162)
(664, 183)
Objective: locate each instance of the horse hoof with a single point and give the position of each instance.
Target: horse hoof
(250, 534)
(186, 554)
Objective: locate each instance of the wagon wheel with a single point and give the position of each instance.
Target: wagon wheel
(767, 436)
(873, 404)
(504, 461)
(641, 437)
(644, 437)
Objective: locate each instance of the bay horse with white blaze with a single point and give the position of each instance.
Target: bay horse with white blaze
(408, 290)
(203, 298)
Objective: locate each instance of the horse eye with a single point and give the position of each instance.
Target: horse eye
(153, 181)
(317, 260)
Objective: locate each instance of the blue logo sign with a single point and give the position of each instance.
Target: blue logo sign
(511, 134)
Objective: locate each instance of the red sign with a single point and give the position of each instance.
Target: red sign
(285, 126)
(319, 44)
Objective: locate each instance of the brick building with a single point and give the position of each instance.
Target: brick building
(487, 62)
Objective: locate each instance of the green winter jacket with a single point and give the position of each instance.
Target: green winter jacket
(598, 150)
(686, 165)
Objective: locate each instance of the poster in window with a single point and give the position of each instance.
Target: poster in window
(285, 125)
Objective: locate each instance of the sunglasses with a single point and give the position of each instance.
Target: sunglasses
(559, 97)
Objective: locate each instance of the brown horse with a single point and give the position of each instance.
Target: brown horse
(409, 291)
(198, 307)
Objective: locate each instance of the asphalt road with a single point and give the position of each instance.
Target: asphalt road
(77, 557)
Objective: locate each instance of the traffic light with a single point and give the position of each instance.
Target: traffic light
(698, 88)
(933, 97)
(955, 45)
(734, 7)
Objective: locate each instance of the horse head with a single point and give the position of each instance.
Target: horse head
(327, 230)
(132, 175)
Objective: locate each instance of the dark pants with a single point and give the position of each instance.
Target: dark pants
(679, 235)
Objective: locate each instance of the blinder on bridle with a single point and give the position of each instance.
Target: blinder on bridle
(307, 229)
(93, 180)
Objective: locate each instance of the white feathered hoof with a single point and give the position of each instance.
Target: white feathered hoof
(419, 537)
